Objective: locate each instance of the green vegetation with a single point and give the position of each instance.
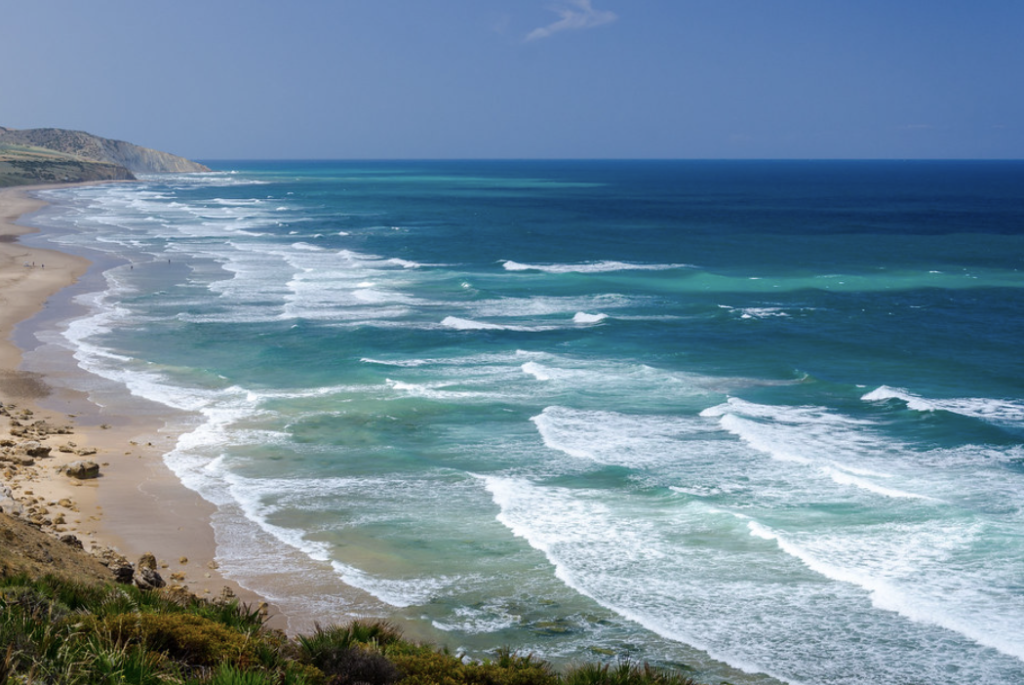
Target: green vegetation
(58, 631)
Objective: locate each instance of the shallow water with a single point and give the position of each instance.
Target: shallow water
(763, 419)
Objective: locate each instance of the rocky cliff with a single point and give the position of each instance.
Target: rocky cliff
(50, 155)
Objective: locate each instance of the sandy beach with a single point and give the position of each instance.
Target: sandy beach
(136, 505)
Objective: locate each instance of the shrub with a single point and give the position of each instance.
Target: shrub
(99, 661)
(624, 672)
(331, 644)
(231, 675)
(423, 666)
(234, 614)
(188, 639)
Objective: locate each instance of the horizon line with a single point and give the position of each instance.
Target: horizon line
(608, 159)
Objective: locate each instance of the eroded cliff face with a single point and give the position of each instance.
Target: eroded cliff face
(135, 159)
(143, 160)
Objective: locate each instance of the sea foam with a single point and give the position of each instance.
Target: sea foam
(590, 267)
(995, 411)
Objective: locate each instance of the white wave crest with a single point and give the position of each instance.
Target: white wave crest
(536, 370)
(590, 267)
(1003, 412)
(307, 246)
(894, 594)
(460, 324)
(814, 437)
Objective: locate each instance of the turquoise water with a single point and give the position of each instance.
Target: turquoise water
(763, 419)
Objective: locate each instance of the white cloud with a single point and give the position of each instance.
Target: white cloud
(576, 14)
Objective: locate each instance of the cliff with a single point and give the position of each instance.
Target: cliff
(24, 165)
(54, 155)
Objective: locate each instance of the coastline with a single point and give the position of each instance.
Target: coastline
(137, 505)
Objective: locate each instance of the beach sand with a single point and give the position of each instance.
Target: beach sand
(136, 505)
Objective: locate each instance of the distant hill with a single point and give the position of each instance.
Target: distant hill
(54, 155)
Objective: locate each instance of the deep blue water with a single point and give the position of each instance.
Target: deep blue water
(764, 419)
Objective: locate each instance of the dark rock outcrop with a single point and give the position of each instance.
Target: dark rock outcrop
(148, 579)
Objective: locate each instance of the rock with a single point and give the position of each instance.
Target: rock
(147, 560)
(43, 428)
(85, 451)
(183, 560)
(82, 469)
(148, 579)
(71, 540)
(8, 504)
(109, 557)
(34, 448)
(123, 574)
(123, 571)
(66, 449)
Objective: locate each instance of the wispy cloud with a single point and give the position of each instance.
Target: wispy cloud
(575, 15)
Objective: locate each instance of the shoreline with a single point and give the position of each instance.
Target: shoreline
(137, 505)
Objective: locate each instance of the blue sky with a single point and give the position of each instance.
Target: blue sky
(220, 79)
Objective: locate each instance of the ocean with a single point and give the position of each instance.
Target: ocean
(761, 421)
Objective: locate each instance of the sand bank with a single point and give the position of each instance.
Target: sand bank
(136, 505)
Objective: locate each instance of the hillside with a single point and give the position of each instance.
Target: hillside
(53, 155)
(24, 165)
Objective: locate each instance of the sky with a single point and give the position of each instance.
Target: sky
(440, 79)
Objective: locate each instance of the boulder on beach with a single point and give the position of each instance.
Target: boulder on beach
(34, 448)
(82, 469)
